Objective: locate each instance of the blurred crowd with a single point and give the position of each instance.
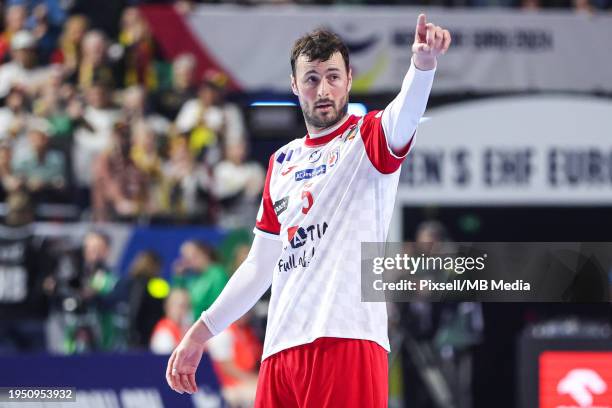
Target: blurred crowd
(582, 6)
(103, 124)
(586, 6)
(65, 295)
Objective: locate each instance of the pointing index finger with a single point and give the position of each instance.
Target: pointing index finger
(421, 20)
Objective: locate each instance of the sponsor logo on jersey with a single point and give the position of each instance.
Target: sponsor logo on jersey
(285, 157)
(310, 173)
(299, 236)
(281, 205)
(314, 156)
(287, 170)
(332, 157)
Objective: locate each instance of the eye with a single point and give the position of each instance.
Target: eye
(311, 79)
(335, 77)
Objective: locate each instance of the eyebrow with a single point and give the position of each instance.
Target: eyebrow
(332, 69)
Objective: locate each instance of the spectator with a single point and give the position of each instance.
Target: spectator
(91, 140)
(23, 302)
(209, 120)
(134, 101)
(186, 184)
(169, 331)
(58, 104)
(236, 353)
(583, 7)
(120, 189)
(68, 52)
(14, 116)
(98, 280)
(144, 151)
(139, 51)
(42, 169)
(9, 182)
(14, 21)
(22, 69)
(168, 101)
(145, 155)
(197, 271)
(45, 32)
(55, 10)
(94, 66)
(135, 107)
(144, 308)
(82, 289)
(237, 186)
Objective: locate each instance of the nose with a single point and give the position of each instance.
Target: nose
(322, 90)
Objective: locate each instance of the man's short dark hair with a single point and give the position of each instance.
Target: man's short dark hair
(319, 44)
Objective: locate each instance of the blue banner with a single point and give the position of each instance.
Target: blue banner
(109, 380)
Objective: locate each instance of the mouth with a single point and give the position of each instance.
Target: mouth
(324, 106)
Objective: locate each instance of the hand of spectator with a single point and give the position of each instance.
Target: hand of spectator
(184, 360)
(179, 267)
(74, 109)
(12, 183)
(126, 207)
(35, 184)
(430, 41)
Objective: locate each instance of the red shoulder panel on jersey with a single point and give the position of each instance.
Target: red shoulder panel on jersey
(268, 221)
(377, 149)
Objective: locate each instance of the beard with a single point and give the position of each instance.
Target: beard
(324, 120)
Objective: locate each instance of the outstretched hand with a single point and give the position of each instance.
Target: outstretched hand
(430, 41)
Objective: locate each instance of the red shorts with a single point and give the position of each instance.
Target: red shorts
(329, 372)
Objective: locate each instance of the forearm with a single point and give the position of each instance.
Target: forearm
(246, 286)
(401, 117)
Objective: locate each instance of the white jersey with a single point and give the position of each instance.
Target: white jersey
(324, 196)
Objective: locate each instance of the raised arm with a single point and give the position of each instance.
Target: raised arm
(401, 117)
(246, 286)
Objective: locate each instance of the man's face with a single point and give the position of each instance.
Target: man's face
(322, 88)
(38, 141)
(95, 248)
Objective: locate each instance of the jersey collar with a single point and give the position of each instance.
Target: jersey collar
(329, 134)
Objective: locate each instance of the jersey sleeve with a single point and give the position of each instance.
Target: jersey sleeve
(267, 222)
(377, 147)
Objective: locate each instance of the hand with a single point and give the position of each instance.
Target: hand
(126, 207)
(429, 41)
(180, 266)
(184, 361)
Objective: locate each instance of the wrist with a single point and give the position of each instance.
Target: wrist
(424, 63)
(199, 332)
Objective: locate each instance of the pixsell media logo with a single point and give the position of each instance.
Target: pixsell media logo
(575, 379)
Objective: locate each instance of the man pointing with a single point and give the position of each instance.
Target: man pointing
(325, 193)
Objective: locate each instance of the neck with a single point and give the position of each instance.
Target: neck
(315, 132)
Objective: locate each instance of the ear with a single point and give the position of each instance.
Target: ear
(350, 79)
(294, 85)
